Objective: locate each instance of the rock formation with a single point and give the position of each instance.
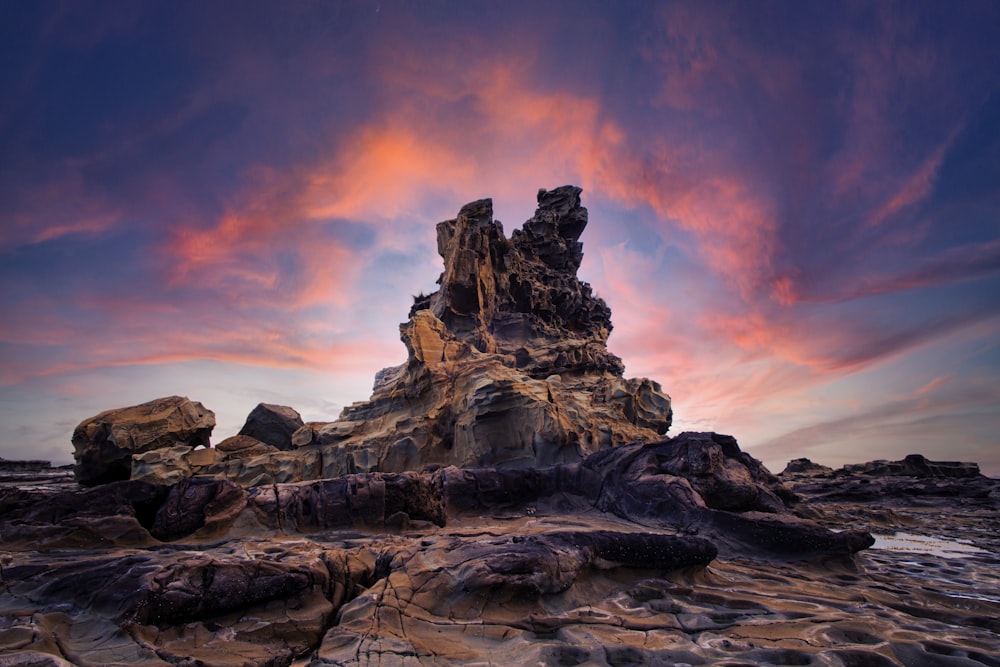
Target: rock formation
(104, 446)
(913, 465)
(385, 565)
(507, 362)
(914, 479)
(272, 425)
(507, 366)
(805, 467)
(15, 473)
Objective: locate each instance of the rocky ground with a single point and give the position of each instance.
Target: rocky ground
(478, 566)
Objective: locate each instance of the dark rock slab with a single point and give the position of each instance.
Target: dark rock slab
(272, 425)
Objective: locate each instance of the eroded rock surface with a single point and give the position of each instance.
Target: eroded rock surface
(612, 560)
(272, 424)
(507, 363)
(104, 445)
(507, 366)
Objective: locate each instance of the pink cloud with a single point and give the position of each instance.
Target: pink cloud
(450, 129)
(63, 206)
(915, 187)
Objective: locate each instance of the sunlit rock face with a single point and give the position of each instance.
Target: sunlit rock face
(104, 445)
(507, 366)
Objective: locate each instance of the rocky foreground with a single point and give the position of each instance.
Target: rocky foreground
(592, 563)
(505, 496)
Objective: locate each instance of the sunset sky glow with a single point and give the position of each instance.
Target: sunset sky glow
(794, 207)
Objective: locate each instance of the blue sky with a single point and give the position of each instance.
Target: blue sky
(794, 209)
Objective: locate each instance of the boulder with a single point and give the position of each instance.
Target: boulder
(914, 465)
(272, 424)
(104, 445)
(507, 363)
(804, 466)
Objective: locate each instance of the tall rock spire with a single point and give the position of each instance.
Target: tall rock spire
(522, 296)
(507, 366)
(507, 363)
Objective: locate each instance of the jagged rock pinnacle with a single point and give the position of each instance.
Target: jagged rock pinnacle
(507, 366)
(521, 296)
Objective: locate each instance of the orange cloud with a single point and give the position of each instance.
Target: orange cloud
(451, 129)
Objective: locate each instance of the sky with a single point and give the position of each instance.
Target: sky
(794, 206)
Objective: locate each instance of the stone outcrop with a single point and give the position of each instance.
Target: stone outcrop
(507, 362)
(17, 473)
(104, 445)
(912, 480)
(394, 565)
(507, 366)
(804, 466)
(599, 561)
(915, 465)
(272, 424)
(698, 482)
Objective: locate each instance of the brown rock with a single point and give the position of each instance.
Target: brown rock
(507, 366)
(104, 445)
(170, 465)
(507, 363)
(805, 467)
(243, 446)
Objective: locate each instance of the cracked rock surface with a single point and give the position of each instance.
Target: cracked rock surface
(452, 566)
(500, 570)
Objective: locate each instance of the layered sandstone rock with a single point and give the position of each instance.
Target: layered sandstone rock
(507, 366)
(700, 482)
(104, 445)
(507, 362)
